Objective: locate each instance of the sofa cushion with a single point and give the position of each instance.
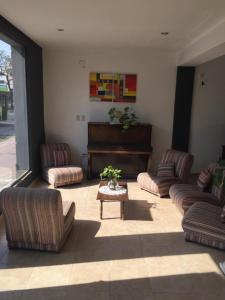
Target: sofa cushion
(156, 185)
(183, 162)
(63, 175)
(204, 180)
(166, 169)
(223, 215)
(202, 224)
(60, 157)
(185, 195)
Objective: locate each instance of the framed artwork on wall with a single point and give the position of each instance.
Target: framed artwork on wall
(113, 87)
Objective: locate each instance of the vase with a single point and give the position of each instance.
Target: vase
(112, 184)
(114, 122)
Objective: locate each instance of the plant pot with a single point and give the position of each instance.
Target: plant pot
(114, 122)
(112, 184)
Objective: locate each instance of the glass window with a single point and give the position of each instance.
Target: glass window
(14, 150)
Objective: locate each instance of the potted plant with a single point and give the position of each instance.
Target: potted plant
(126, 117)
(219, 175)
(114, 115)
(112, 175)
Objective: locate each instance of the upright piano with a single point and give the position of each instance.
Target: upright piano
(129, 151)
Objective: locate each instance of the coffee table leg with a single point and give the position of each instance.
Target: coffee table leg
(122, 210)
(101, 209)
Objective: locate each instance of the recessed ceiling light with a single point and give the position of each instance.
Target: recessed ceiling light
(60, 29)
(164, 33)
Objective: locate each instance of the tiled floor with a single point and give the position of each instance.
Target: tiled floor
(143, 257)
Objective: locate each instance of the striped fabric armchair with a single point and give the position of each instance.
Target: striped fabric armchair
(56, 165)
(160, 183)
(36, 218)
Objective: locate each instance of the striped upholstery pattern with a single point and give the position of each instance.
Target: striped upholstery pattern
(47, 150)
(183, 162)
(34, 218)
(60, 175)
(161, 185)
(156, 185)
(63, 175)
(185, 195)
(204, 180)
(223, 215)
(61, 158)
(166, 169)
(202, 224)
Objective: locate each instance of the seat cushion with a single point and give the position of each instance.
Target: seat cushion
(202, 224)
(156, 185)
(63, 175)
(185, 195)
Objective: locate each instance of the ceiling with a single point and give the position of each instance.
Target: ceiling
(114, 23)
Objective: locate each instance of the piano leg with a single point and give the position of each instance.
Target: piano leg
(89, 165)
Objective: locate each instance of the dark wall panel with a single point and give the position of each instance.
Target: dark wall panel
(34, 90)
(182, 108)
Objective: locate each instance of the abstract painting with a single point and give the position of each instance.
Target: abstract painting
(101, 86)
(113, 87)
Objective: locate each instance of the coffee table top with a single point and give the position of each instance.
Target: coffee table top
(105, 197)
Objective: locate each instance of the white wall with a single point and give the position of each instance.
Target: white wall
(66, 93)
(208, 113)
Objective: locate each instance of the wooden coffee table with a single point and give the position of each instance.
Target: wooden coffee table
(112, 198)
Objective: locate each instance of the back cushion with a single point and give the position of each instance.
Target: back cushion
(60, 157)
(183, 162)
(47, 153)
(166, 169)
(204, 180)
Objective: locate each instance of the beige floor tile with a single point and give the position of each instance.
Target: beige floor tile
(143, 257)
(11, 295)
(83, 273)
(13, 278)
(49, 293)
(20, 258)
(49, 276)
(128, 269)
(133, 289)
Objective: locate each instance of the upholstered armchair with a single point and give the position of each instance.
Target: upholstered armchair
(36, 218)
(174, 168)
(56, 165)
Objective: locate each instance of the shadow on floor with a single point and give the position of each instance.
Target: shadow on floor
(195, 286)
(83, 246)
(138, 210)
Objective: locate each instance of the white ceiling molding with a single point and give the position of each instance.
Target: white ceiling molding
(207, 47)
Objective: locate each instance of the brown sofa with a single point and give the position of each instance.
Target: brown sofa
(160, 185)
(202, 224)
(61, 174)
(36, 218)
(185, 195)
